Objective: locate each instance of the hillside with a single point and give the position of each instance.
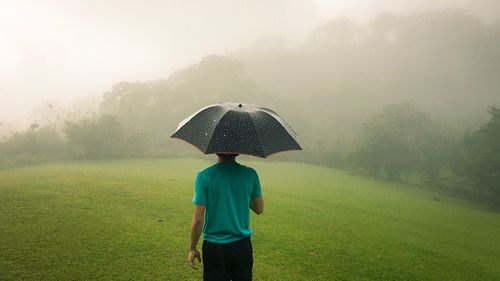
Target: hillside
(129, 220)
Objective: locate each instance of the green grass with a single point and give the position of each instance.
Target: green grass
(129, 220)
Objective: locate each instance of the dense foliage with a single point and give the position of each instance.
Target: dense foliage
(483, 155)
(393, 141)
(401, 141)
(94, 138)
(34, 145)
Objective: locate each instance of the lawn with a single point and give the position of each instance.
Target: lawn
(129, 220)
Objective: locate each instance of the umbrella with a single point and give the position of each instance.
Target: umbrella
(238, 129)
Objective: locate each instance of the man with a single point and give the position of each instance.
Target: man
(224, 194)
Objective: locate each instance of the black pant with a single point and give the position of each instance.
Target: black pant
(231, 261)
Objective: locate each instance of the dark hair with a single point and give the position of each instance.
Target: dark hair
(227, 155)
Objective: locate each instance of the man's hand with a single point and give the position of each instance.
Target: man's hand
(194, 254)
(257, 205)
(196, 226)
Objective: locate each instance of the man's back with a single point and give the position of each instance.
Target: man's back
(224, 194)
(226, 189)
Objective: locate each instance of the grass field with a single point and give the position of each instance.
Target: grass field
(129, 220)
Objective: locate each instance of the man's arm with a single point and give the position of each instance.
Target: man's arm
(257, 205)
(196, 227)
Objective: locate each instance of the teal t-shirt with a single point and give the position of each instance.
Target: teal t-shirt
(226, 190)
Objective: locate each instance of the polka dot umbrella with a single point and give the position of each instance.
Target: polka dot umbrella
(237, 128)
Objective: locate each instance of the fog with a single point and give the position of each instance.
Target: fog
(61, 52)
(363, 10)
(394, 109)
(407, 91)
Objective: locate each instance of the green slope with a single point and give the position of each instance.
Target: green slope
(129, 220)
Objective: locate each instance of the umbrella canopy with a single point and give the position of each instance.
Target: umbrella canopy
(237, 128)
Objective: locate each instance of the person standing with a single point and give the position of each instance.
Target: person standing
(224, 194)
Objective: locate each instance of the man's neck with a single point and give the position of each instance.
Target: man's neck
(227, 160)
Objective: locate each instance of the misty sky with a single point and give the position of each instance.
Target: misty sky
(64, 50)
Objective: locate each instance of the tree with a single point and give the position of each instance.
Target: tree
(151, 110)
(483, 155)
(393, 141)
(101, 137)
(344, 67)
(439, 149)
(33, 145)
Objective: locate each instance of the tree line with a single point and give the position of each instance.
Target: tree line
(398, 143)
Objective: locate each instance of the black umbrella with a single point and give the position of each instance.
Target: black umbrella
(237, 128)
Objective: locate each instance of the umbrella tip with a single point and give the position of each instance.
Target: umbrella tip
(239, 105)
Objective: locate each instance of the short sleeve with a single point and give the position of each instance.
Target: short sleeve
(257, 191)
(200, 190)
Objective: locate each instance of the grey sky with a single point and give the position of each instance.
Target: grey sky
(62, 50)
